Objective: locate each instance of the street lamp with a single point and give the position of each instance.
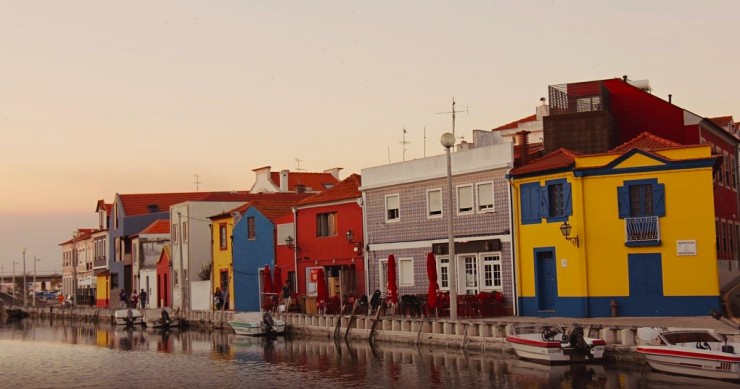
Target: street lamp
(448, 140)
(34, 279)
(25, 284)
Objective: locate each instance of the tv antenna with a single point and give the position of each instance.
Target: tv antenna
(453, 112)
(298, 164)
(403, 143)
(197, 182)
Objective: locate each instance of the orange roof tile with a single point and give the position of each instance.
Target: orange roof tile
(645, 141)
(346, 189)
(723, 121)
(160, 226)
(515, 124)
(139, 204)
(317, 182)
(558, 159)
(271, 202)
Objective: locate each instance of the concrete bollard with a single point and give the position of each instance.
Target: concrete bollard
(628, 336)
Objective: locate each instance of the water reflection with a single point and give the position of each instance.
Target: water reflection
(174, 358)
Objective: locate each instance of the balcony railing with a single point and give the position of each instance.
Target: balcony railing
(642, 230)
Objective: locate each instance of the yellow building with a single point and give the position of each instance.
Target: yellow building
(222, 254)
(632, 230)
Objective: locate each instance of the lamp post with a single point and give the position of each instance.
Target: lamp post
(25, 284)
(448, 140)
(74, 268)
(34, 280)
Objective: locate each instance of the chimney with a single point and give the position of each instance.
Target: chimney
(523, 143)
(670, 98)
(284, 180)
(334, 172)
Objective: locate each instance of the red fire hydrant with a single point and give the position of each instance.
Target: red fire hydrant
(613, 305)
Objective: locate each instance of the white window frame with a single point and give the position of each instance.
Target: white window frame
(443, 263)
(184, 231)
(478, 206)
(432, 211)
(470, 198)
(402, 274)
(382, 274)
(398, 201)
(492, 259)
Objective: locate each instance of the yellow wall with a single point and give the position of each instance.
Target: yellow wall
(222, 258)
(599, 267)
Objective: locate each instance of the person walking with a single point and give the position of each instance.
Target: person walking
(134, 299)
(122, 299)
(286, 295)
(143, 298)
(217, 299)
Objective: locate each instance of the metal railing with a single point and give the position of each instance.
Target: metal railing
(641, 229)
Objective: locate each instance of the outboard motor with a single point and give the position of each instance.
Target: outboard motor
(165, 317)
(130, 318)
(578, 343)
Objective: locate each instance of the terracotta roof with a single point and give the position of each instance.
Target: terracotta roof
(645, 141)
(139, 204)
(266, 199)
(346, 189)
(82, 234)
(558, 159)
(317, 182)
(161, 226)
(723, 121)
(515, 124)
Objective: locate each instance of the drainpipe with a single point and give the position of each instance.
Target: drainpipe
(365, 257)
(514, 252)
(295, 248)
(582, 245)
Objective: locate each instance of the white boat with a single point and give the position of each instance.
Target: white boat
(128, 317)
(256, 324)
(693, 352)
(553, 344)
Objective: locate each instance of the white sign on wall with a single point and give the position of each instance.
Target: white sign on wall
(685, 248)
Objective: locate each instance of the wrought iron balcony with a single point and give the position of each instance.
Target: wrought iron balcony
(642, 231)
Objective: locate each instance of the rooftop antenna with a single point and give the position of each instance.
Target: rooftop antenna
(453, 112)
(403, 143)
(197, 182)
(425, 142)
(298, 164)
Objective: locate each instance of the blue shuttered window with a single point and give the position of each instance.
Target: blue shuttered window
(641, 198)
(530, 203)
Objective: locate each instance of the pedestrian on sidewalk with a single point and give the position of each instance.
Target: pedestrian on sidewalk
(122, 299)
(143, 298)
(134, 299)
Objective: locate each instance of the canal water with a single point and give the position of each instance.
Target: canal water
(41, 354)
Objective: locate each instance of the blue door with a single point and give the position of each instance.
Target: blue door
(547, 283)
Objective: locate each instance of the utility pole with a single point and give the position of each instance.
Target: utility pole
(13, 288)
(25, 284)
(34, 280)
(197, 182)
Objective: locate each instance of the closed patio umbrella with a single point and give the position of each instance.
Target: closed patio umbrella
(267, 280)
(277, 280)
(433, 285)
(322, 295)
(392, 297)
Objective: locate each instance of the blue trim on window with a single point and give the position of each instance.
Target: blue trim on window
(654, 306)
(567, 200)
(530, 203)
(658, 195)
(650, 243)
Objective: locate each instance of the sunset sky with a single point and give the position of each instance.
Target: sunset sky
(104, 97)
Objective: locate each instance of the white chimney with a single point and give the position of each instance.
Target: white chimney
(284, 180)
(334, 172)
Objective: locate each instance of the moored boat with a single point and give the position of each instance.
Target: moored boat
(553, 344)
(693, 352)
(163, 319)
(257, 324)
(128, 317)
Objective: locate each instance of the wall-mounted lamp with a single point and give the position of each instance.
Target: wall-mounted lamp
(351, 239)
(565, 229)
(290, 242)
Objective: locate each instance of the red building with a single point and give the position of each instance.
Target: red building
(329, 235)
(164, 280)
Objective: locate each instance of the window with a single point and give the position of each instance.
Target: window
(434, 203)
(174, 233)
(464, 199)
(492, 271)
(726, 168)
(406, 272)
(485, 197)
(555, 200)
(251, 228)
(392, 208)
(444, 273)
(733, 171)
(326, 224)
(184, 231)
(114, 280)
(530, 203)
(222, 236)
(382, 274)
(640, 198)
